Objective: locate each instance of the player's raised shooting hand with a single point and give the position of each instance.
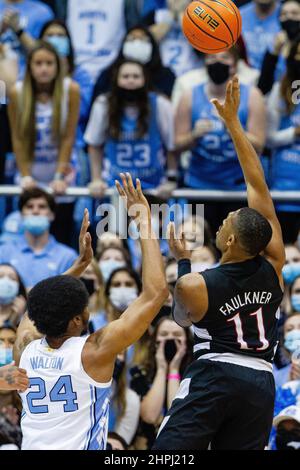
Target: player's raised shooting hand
(229, 109)
(134, 200)
(177, 245)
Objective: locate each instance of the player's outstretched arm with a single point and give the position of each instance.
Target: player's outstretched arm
(259, 197)
(85, 249)
(132, 324)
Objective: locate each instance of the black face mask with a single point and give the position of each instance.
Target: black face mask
(170, 349)
(288, 440)
(291, 27)
(89, 285)
(131, 96)
(218, 72)
(265, 7)
(119, 366)
(293, 67)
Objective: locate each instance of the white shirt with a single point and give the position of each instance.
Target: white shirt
(97, 28)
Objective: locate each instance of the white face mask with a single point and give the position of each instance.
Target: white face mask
(122, 297)
(138, 50)
(108, 266)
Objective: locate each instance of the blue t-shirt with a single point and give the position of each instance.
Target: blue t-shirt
(143, 157)
(54, 260)
(33, 15)
(214, 163)
(258, 34)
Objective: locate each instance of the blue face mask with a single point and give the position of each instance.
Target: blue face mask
(61, 44)
(295, 300)
(292, 340)
(6, 356)
(290, 272)
(9, 290)
(108, 266)
(36, 224)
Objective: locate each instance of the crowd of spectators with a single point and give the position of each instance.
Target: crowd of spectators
(92, 88)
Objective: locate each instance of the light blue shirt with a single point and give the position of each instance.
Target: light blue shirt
(54, 260)
(258, 34)
(33, 15)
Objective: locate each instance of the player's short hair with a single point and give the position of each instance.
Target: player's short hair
(52, 303)
(253, 230)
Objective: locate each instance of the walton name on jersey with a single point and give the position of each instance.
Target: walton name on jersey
(247, 298)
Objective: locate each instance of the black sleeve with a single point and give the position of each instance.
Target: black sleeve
(267, 74)
(5, 141)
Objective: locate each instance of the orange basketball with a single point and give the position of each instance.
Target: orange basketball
(212, 26)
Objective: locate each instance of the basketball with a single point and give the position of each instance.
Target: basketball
(212, 26)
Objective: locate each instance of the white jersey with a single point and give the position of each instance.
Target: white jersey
(63, 408)
(176, 52)
(97, 28)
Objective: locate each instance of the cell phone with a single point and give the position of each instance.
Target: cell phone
(170, 349)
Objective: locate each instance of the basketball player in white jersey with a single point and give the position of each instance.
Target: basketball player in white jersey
(66, 404)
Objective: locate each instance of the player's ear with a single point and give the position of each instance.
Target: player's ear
(231, 240)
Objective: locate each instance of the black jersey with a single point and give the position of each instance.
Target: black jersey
(243, 311)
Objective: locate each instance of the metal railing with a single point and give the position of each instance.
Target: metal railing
(205, 195)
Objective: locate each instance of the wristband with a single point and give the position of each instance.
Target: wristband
(184, 267)
(174, 377)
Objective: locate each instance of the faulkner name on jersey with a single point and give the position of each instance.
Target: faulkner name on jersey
(247, 298)
(40, 362)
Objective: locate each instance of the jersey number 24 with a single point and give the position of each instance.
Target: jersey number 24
(61, 391)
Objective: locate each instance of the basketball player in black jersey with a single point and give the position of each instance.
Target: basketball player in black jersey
(226, 398)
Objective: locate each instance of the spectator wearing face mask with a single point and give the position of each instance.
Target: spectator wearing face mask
(291, 335)
(12, 295)
(274, 63)
(169, 353)
(111, 258)
(286, 430)
(140, 45)
(36, 254)
(203, 257)
(260, 20)
(198, 128)
(131, 129)
(10, 405)
(122, 287)
(247, 75)
(283, 139)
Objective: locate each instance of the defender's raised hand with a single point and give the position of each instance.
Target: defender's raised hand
(230, 108)
(85, 240)
(135, 202)
(177, 245)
